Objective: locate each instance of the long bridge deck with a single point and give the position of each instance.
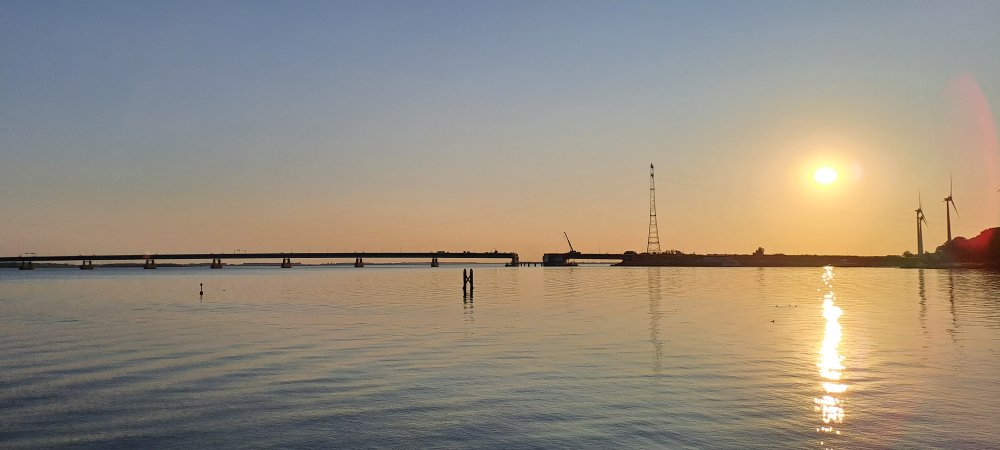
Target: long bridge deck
(285, 258)
(562, 259)
(294, 255)
(549, 259)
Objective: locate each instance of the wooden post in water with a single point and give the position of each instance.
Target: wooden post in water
(467, 282)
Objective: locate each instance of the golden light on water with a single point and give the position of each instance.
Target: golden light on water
(831, 363)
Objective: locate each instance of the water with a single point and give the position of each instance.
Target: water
(556, 358)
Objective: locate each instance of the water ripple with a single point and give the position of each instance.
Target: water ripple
(566, 357)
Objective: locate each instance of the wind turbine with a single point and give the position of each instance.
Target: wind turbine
(920, 230)
(949, 204)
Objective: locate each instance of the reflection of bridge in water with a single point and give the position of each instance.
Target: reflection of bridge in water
(149, 260)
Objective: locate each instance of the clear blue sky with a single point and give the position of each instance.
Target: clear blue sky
(212, 126)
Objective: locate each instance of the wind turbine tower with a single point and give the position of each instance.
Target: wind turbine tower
(920, 230)
(949, 204)
(653, 241)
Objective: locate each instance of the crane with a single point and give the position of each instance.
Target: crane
(570, 243)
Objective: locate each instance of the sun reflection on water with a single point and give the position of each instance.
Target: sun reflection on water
(831, 363)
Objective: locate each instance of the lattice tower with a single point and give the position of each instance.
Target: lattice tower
(653, 241)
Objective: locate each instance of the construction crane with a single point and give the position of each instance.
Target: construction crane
(570, 243)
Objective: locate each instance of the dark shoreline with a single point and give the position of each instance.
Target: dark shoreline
(894, 261)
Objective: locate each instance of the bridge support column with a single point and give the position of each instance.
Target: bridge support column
(514, 261)
(216, 263)
(286, 263)
(87, 265)
(358, 262)
(434, 262)
(26, 265)
(150, 264)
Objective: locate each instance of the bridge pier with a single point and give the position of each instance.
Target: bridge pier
(515, 261)
(216, 263)
(87, 265)
(26, 265)
(286, 263)
(434, 262)
(358, 262)
(150, 264)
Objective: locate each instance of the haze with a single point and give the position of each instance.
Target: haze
(418, 126)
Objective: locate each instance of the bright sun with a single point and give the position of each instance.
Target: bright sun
(825, 175)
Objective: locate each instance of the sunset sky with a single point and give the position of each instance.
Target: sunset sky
(470, 125)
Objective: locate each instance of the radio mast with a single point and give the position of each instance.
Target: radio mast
(653, 241)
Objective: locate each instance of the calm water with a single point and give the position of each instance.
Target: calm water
(557, 357)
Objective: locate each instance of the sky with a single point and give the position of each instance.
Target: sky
(216, 126)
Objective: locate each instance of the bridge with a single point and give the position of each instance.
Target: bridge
(149, 260)
(563, 259)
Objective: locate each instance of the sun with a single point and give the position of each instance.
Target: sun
(825, 175)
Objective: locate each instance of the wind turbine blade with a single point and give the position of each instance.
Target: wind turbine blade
(955, 208)
(951, 184)
(920, 202)
(925, 221)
